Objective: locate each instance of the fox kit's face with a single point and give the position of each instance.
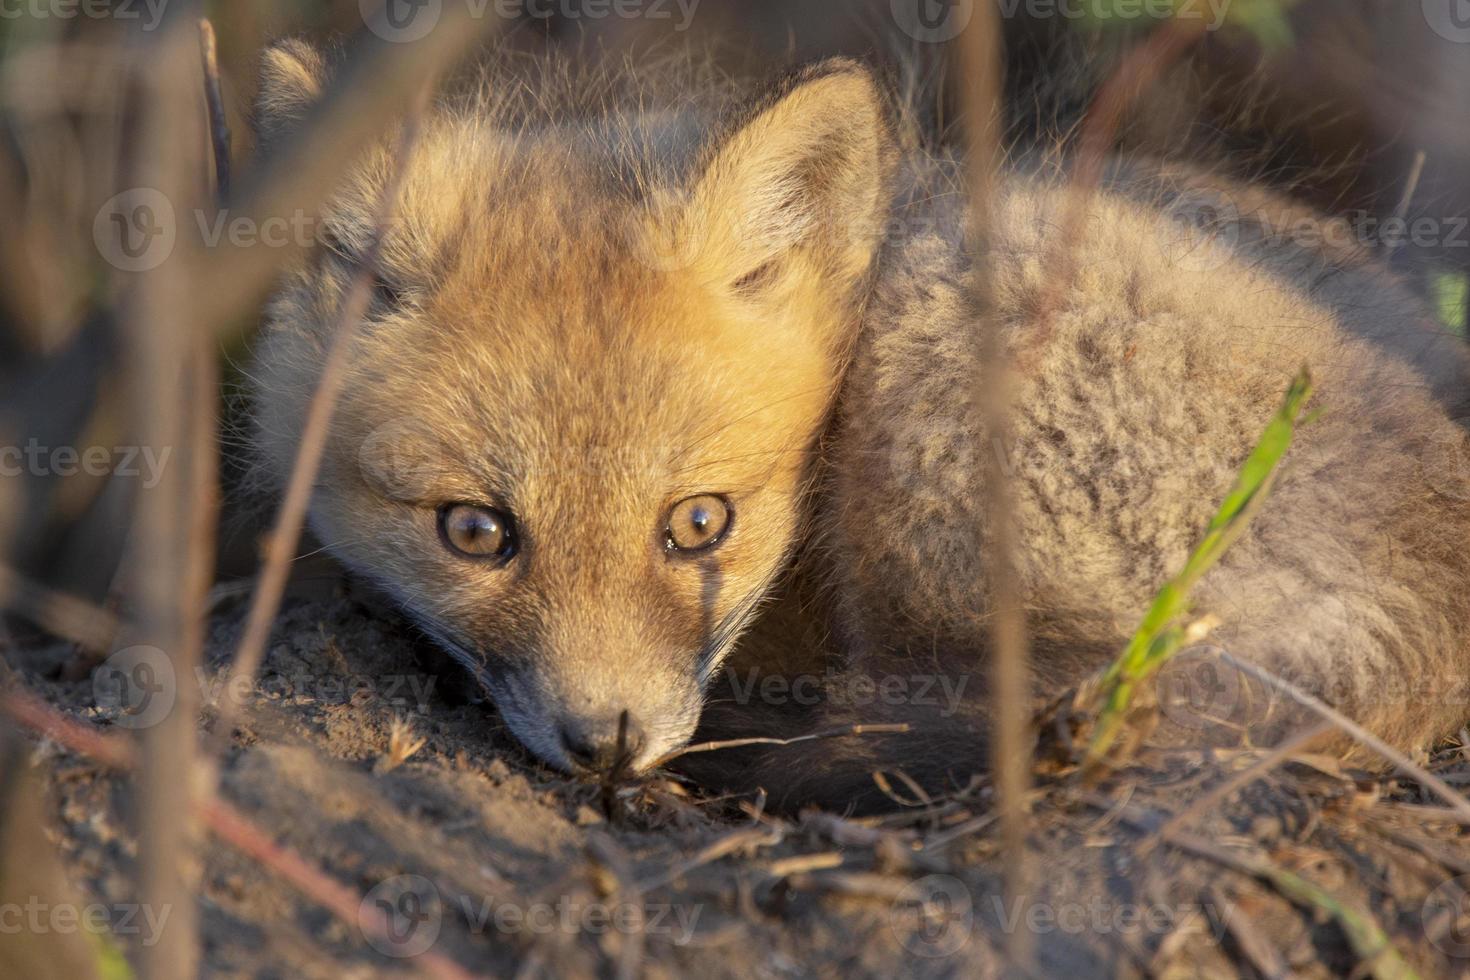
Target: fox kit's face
(581, 412)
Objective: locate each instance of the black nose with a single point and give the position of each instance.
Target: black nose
(602, 746)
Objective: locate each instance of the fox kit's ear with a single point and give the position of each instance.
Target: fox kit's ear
(292, 73)
(809, 167)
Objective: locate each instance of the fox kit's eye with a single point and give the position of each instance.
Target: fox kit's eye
(698, 523)
(481, 533)
(386, 295)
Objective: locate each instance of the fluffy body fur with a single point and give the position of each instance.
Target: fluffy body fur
(590, 313)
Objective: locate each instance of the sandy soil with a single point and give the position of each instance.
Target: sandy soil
(509, 869)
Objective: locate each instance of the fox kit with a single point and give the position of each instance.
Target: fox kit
(642, 374)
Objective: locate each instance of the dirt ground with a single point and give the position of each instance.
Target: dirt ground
(487, 858)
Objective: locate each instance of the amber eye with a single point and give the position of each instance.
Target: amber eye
(699, 523)
(481, 533)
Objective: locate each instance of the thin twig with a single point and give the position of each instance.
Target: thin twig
(219, 124)
(723, 847)
(736, 743)
(1253, 772)
(66, 616)
(235, 829)
(225, 822)
(1139, 69)
(1255, 945)
(1401, 211)
(1411, 186)
(171, 545)
(1364, 936)
(32, 712)
(611, 857)
(378, 80)
(980, 57)
(1407, 766)
(281, 544)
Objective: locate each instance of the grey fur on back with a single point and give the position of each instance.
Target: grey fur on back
(1163, 361)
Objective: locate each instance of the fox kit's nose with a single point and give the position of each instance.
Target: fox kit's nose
(602, 746)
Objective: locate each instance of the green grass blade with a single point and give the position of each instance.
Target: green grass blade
(1161, 634)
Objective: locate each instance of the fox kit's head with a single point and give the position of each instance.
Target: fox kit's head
(580, 415)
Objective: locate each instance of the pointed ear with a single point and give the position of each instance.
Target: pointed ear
(807, 171)
(292, 74)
